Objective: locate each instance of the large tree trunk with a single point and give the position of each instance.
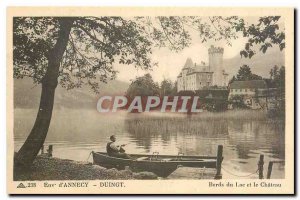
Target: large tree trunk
(28, 152)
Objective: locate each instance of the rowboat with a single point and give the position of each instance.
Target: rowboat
(161, 165)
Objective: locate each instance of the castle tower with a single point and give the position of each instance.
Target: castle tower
(188, 65)
(216, 64)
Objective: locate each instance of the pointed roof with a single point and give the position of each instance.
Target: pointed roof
(188, 63)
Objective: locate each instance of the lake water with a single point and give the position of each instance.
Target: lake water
(75, 133)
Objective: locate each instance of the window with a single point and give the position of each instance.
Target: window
(240, 90)
(200, 83)
(246, 90)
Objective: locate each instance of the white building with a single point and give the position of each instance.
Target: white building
(249, 91)
(199, 76)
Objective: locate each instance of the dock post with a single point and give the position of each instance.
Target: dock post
(270, 166)
(50, 150)
(260, 165)
(219, 162)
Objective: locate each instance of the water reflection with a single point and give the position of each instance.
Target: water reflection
(245, 136)
(75, 133)
(252, 135)
(243, 140)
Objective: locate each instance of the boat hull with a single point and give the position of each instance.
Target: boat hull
(161, 165)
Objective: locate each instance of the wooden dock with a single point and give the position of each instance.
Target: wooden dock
(193, 173)
(215, 173)
(200, 173)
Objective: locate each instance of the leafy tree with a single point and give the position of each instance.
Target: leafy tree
(167, 88)
(266, 32)
(274, 72)
(232, 80)
(245, 74)
(281, 78)
(143, 86)
(73, 51)
(237, 102)
(174, 89)
(256, 77)
(277, 76)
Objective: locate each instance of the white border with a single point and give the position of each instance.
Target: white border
(5, 3)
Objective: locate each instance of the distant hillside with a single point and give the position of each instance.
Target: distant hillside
(27, 95)
(260, 63)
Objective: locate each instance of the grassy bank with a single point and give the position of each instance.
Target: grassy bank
(45, 168)
(205, 115)
(234, 115)
(205, 123)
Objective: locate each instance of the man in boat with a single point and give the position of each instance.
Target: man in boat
(115, 150)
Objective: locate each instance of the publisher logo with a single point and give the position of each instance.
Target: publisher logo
(21, 185)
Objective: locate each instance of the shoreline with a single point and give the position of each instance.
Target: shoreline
(45, 168)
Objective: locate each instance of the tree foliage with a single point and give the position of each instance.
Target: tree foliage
(143, 86)
(277, 82)
(277, 76)
(237, 102)
(232, 80)
(245, 74)
(96, 44)
(168, 88)
(265, 33)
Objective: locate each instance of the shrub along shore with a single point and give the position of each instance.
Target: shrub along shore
(45, 168)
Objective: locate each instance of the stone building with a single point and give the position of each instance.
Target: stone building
(250, 92)
(195, 76)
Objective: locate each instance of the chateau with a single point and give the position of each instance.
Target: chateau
(201, 76)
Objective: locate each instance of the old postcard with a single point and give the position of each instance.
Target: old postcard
(150, 100)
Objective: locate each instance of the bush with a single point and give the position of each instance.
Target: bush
(237, 102)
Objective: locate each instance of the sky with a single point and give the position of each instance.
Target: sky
(170, 63)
